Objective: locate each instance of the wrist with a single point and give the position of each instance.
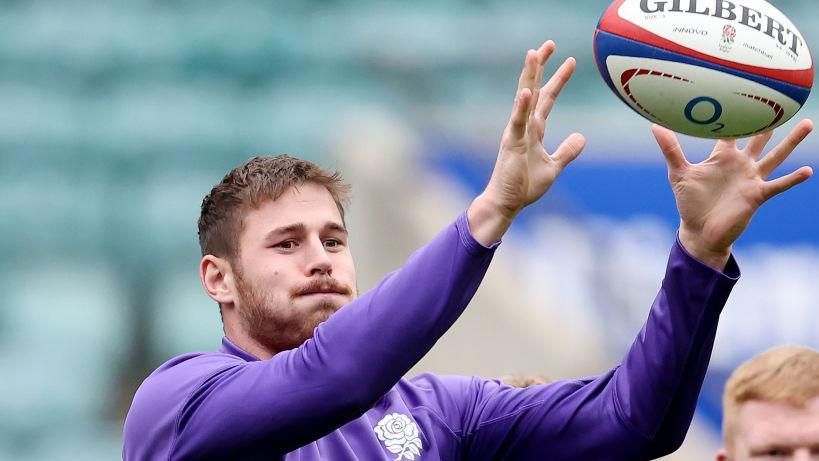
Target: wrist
(715, 257)
(487, 221)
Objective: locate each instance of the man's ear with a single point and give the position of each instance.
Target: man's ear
(722, 455)
(217, 278)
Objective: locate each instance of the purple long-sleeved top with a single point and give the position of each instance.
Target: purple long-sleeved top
(340, 395)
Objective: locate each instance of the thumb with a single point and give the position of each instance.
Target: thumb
(569, 149)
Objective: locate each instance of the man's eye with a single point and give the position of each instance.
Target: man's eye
(331, 243)
(286, 245)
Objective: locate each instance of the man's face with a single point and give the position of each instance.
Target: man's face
(776, 431)
(294, 269)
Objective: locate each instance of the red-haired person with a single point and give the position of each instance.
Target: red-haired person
(771, 407)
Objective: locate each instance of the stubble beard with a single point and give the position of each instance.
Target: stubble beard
(275, 325)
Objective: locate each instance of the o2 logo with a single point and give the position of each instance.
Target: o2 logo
(717, 107)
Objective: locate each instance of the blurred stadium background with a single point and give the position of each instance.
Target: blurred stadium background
(118, 116)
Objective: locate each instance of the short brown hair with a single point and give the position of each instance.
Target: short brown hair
(784, 374)
(248, 185)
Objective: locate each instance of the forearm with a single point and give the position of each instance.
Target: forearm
(673, 429)
(658, 382)
(402, 318)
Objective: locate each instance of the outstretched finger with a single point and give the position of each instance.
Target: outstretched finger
(520, 114)
(778, 154)
(670, 146)
(779, 185)
(527, 75)
(757, 144)
(569, 149)
(543, 54)
(549, 92)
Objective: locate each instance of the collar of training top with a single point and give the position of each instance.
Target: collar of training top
(229, 348)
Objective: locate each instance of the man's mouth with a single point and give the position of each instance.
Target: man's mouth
(324, 291)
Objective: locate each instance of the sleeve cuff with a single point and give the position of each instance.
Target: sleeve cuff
(731, 271)
(472, 245)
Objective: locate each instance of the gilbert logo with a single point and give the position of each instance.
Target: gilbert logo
(735, 11)
(400, 436)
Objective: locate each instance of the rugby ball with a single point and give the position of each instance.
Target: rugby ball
(706, 68)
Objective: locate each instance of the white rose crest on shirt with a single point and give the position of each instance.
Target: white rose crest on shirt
(400, 435)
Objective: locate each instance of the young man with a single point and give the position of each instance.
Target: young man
(310, 370)
(771, 407)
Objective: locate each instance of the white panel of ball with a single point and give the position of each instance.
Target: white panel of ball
(698, 101)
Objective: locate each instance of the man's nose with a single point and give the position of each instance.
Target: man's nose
(317, 259)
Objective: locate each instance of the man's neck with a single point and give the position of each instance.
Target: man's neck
(241, 339)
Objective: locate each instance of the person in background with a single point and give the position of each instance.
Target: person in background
(771, 407)
(309, 369)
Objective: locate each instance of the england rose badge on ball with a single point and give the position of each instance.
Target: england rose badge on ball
(707, 68)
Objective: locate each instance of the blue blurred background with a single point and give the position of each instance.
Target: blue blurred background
(117, 117)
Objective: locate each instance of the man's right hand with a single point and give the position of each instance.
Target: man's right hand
(524, 171)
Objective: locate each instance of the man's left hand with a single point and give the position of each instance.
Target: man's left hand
(717, 197)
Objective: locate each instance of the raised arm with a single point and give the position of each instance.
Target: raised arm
(641, 409)
(716, 200)
(637, 410)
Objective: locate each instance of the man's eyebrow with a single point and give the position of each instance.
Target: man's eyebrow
(336, 227)
(290, 228)
(767, 447)
(301, 228)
